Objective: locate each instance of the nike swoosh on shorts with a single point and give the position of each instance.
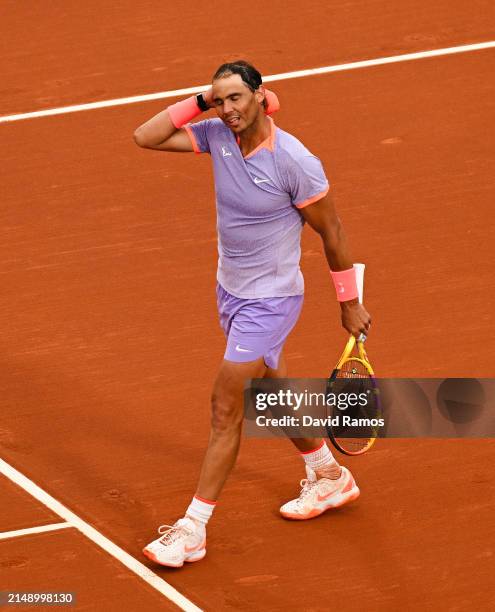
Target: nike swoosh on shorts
(242, 350)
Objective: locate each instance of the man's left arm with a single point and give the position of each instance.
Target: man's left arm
(323, 218)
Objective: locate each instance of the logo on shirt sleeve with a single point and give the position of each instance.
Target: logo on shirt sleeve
(225, 152)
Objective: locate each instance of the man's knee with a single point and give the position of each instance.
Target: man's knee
(227, 399)
(226, 412)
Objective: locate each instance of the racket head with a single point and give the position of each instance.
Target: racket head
(354, 374)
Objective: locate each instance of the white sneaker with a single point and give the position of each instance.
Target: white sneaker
(183, 541)
(319, 495)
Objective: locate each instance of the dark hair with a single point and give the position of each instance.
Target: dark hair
(248, 73)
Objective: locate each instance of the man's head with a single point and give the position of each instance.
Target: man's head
(238, 94)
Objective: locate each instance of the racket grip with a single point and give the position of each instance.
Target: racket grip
(362, 338)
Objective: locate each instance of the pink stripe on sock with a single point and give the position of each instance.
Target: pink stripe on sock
(314, 449)
(205, 501)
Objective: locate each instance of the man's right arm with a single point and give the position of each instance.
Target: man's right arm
(161, 134)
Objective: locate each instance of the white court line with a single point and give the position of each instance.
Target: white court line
(380, 61)
(5, 535)
(99, 539)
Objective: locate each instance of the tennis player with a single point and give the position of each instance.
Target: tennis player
(267, 186)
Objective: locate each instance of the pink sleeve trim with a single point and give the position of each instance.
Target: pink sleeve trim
(315, 198)
(192, 137)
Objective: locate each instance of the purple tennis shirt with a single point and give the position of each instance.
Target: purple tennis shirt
(257, 200)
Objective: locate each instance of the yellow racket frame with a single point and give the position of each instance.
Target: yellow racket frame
(362, 359)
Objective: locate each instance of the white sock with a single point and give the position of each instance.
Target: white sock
(201, 509)
(322, 462)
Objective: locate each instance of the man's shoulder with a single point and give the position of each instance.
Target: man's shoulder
(215, 123)
(212, 127)
(294, 161)
(290, 147)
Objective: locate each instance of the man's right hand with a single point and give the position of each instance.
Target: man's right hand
(208, 97)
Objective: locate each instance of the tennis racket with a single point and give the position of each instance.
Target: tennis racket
(353, 417)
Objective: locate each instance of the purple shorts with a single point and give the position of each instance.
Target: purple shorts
(256, 327)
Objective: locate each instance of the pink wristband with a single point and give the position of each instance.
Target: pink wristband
(345, 284)
(272, 103)
(182, 112)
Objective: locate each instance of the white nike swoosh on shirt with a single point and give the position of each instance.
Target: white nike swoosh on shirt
(258, 180)
(242, 350)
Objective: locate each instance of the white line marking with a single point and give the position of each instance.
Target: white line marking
(99, 539)
(5, 535)
(380, 61)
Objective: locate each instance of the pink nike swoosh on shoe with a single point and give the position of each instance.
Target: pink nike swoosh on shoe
(155, 558)
(348, 487)
(190, 549)
(343, 493)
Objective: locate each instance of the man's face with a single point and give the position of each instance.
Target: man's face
(235, 103)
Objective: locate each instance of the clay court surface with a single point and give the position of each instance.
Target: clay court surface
(110, 340)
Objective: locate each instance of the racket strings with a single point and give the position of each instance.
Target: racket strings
(353, 377)
(352, 369)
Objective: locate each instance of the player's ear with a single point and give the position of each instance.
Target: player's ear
(260, 94)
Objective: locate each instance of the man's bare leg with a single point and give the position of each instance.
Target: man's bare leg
(185, 541)
(331, 486)
(302, 444)
(334, 485)
(227, 406)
